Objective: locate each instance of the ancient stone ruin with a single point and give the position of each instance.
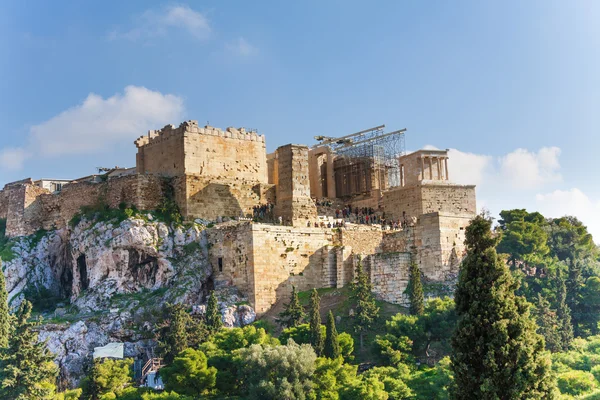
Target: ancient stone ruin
(299, 216)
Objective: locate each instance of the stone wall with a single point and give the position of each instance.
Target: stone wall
(290, 173)
(3, 204)
(389, 274)
(31, 208)
(449, 198)
(264, 261)
(439, 239)
(413, 201)
(231, 256)
(208, 198)
(203, 151)
(402, 202)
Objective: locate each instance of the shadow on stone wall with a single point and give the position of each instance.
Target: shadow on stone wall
(214, 200)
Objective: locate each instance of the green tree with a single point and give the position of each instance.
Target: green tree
(293, 314)
(563, 313)
(569, 241)
(214, 320)
(588, 310)
(189, 374)
(366, 309)
(332, 377)
(278, 372)
(415, 290)
(109, 379)
(5, 317)
(394, 380)
(316, 334)
(332, 345)
(221, 350)
(523, 236)
(496, 352)
(548, 324)
(178, 331)
(27, 370)
(301, 335)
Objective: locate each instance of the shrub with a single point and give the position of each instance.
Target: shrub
(576, 382)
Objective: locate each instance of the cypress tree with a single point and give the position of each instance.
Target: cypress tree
(214, 321)
(5, 317)
(366, 308)
(174, 335)
(496, 352)
(27, 367)
(565, 327)
(415, 290)
(293, 314)
(316, 335)
(332, 346)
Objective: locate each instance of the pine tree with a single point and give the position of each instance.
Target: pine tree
(214, 321)
(5, 317)
(565, 327)
(366, 308)
(332, 346)
(27, 367)
(496, 352)
(316, 335)
(415, 290)
(293, 314)
(548, 324)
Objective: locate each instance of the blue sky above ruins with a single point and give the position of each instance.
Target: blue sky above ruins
(512, 86)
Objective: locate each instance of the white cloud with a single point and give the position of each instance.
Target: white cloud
(571, 202)
(241, 47)
(525, 170)
(469, 168)
(13, 158)
(97, 123)
(154, 23)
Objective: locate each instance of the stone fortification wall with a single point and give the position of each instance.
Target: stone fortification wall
(31, 208)
(203, 151)
(449, 198)
(264, 261)
(389, 274)
(208, 198)
(439, 239)
(413, 201)
(231, 256)
(290, 173)
(3, 204)
(403, 202)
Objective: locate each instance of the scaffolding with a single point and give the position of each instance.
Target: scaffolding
(366, 160)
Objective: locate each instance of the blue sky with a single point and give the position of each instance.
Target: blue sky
(511, 87)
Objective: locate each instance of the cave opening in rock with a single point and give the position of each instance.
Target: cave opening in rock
(66, 283)
(143, 268)
(82, 268)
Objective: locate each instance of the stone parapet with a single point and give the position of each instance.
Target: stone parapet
(158, 136)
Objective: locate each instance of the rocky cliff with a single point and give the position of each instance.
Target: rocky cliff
(106, 281)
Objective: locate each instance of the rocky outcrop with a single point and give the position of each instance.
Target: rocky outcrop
(110, 280)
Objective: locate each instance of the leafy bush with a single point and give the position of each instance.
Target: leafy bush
(190, 374)
(576, 382)
(278, 372)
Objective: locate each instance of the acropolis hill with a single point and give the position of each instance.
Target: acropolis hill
(324, 207)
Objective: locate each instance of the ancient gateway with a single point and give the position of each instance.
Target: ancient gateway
(323, 208)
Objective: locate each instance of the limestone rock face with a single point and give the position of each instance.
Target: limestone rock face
(97, 260)
(110, 280)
